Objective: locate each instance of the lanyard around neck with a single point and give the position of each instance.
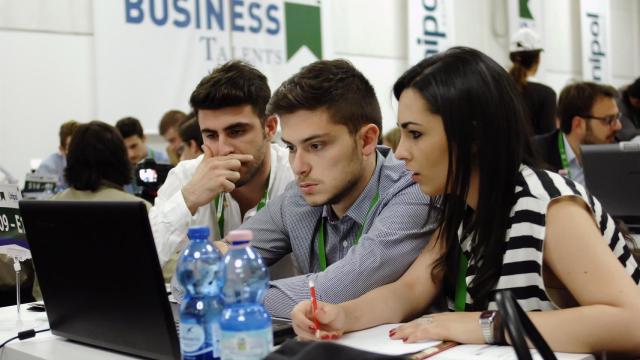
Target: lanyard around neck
(322, 251)
(220, 205)
(461, 285)
(563, 154)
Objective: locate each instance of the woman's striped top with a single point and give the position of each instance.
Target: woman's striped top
(522, 263)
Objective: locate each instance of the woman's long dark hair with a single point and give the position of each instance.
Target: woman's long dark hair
(484, 123)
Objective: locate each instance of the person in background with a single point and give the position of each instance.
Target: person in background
(97, 169)
(168, 129)
(392, 138)
(354, 219)
(240, 172)
(97, 165)
(505, 225)
(629, 105)
(588, 115)
(190, 139)
(540, 100)
(135, 142)
(55, 163)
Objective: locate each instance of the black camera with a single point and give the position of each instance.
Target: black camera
(149, 177)
(151, 174)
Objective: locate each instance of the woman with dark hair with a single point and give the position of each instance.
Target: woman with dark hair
(539, 99)
(97, 170)
(97, 165)
(505, 225)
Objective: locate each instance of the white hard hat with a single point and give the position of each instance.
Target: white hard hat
(525, 39)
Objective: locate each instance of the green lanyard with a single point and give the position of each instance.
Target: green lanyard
(322, 252)
(563, 154)
(461, 286)
(220, 209)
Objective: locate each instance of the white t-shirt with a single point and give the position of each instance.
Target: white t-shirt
(170, 218)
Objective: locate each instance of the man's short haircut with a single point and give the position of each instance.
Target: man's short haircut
(129, 126)
(97, 156)
(577, 100)
(335, 85)
(190, 130)
(170, 119)
(234, 83)
(634, 89)
(67, 129)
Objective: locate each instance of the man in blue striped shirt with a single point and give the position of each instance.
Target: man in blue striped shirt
(353, 219)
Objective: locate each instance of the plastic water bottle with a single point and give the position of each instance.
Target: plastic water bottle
(245, 325)
(199, 271)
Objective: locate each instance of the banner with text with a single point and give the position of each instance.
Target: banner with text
(595, 32)
(150, 54)
(430, 28)
(525, 13)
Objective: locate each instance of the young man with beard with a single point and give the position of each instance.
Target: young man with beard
(354, 219)
(240, 171)
(588, 115)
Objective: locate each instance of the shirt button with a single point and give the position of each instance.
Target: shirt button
(344, 243)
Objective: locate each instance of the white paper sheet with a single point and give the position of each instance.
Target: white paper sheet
(377, 340)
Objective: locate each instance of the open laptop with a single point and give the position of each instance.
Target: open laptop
(100, 275)
(612, 174)
(101, 278)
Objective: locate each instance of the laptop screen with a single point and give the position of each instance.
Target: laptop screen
(612, 174)
(100, 276)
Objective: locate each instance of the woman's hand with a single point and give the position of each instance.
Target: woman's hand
(331, 319)
(462, 327)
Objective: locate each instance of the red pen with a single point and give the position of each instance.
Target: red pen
(314, 307)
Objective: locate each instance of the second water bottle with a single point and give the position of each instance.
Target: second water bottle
(245, 325)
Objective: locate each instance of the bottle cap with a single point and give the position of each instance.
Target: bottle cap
(239, 236)
(198, 232)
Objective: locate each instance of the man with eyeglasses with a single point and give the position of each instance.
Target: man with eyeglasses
(588, 115)
(629, 104)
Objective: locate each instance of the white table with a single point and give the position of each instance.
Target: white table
(44, 345)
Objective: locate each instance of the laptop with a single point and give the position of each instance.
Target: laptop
(101, 279)
(100, 275)
(612, 174)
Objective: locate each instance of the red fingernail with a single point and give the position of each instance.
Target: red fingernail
(334, 337)
(404, 339)
(325, 337)
(392, 333)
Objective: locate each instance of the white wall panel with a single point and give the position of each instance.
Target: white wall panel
(45, 79)
(72, 16)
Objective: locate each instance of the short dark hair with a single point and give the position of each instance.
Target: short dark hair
(67, 129)
(232, 84)
(577, 100)
(171, 118)
(129, 126)
(190, 130)
(634, 89)
(97, 155)
(335, 85)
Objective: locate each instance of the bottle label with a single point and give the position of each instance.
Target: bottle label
(241, 345)
(192, 337)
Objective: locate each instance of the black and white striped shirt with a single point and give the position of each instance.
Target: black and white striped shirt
(522, 263)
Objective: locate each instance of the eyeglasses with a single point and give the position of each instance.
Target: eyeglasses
(608, 120)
